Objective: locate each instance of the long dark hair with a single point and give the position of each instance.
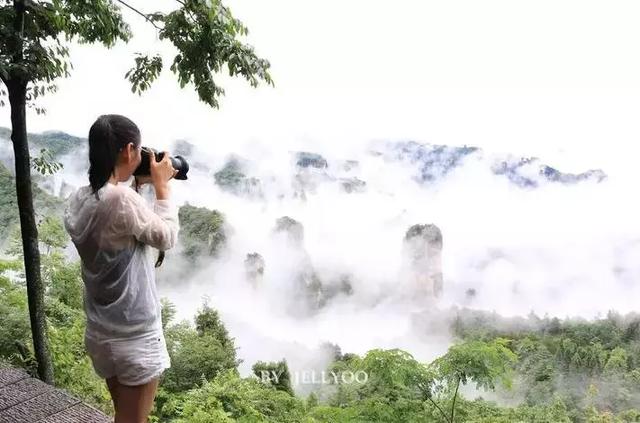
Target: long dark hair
(108, 135)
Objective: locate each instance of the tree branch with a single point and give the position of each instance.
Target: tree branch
(140, 13)
(455, 396)
(184, 5)
(446, 419)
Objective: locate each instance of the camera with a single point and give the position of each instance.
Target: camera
(179, 163)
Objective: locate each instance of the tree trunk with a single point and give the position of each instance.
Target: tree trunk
(28, 228)
(455, 397)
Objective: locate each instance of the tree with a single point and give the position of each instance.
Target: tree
(399, 388)
(382, 386)
(485, 364)
(275, 374)
(168, 311)
(34, 54)
(229, 398)
(202, 231)
(200, 354)
(14, 329)
(52, 233)
(617, 362)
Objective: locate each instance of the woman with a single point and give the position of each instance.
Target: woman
(112, 228)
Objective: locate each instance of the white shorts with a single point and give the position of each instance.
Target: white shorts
(134, 361)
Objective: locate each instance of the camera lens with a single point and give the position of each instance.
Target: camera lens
(179, 163)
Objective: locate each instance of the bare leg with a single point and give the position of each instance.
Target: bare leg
(132, 403)
(112, 384)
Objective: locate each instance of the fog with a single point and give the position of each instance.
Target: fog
(561, 249)
(564, 250)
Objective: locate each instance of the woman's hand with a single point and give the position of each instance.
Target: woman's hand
(161, 173)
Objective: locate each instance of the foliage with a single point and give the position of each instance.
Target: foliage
(206, 36)
(201, 231)
(399, 388)
(8, 212)
(168, 312)
(53, 144)
(72, 367)
(56, 143)
(65, 284)
(479, 362)
(203, 383)
(46, 205)
(562, 370)
(592, 365)
(232, 178)
(45, 163)
(229, 398)
(231, 175)
(63, 306)
(14, 315)
(52, 233)
(275, 374)
(198, 355)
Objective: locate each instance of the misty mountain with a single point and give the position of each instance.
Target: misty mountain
(58, 143)
(44, 203)
(430, 164)
(433, 162)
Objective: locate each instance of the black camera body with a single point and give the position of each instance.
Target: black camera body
(179, 163)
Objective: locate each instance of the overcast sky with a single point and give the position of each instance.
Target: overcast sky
(558, 79)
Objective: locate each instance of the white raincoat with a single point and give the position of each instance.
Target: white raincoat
(112, 233)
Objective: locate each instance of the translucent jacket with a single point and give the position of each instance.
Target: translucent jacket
(112, 234)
